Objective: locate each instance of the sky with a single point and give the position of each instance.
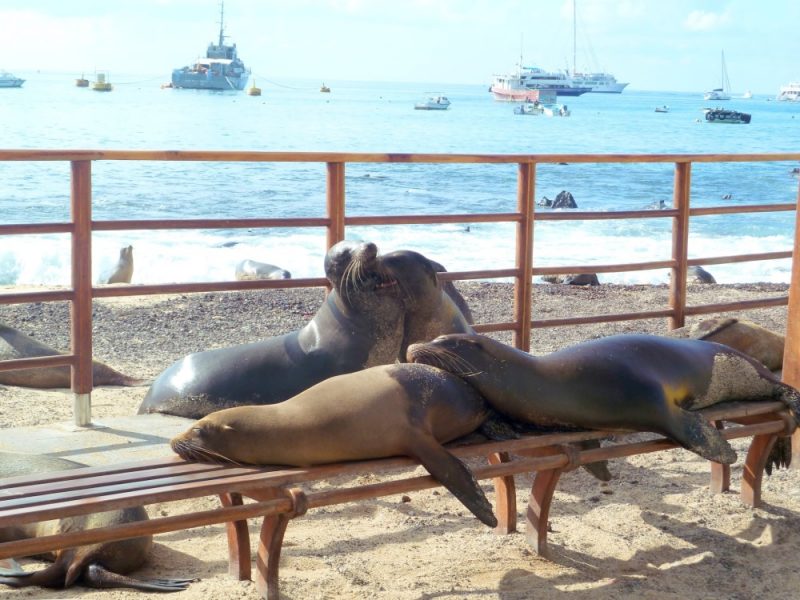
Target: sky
(673, 45)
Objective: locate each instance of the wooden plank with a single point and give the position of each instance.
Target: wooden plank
(680, 245)
(523, 282)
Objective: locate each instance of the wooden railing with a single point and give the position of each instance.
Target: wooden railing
(81, 226)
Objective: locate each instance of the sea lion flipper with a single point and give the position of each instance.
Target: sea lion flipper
(98, 577)
(698, 435)
(456, 477)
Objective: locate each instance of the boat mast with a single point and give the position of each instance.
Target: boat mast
(574, 37)
(221, 22)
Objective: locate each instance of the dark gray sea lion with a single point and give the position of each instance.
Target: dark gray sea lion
(376, 308)
(104, 565)
(251, 269)
(123, 272)
(764, 345)
(573, 279)
(14, 344)
(697, 274)
(389, 410)
(621, 382)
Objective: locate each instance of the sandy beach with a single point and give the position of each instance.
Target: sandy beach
(654, 531)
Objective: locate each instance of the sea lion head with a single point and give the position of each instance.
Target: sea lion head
(216, 438)
(355, 269)
(462, 354)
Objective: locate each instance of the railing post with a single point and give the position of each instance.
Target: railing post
(81, 305)
(680, 244)
(335, 202)
(791, 352)
(523, 287)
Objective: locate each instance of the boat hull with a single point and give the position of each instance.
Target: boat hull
(11, 83)
(532, 94)
(191, 80)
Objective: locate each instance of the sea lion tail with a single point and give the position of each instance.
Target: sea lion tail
(96, 576)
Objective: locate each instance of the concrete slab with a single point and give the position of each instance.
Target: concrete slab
(114, 440)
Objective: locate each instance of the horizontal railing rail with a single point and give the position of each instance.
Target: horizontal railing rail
(336, 220)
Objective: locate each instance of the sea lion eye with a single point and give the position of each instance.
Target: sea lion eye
(197, 430)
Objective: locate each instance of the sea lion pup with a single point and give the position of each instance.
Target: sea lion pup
(388, 410)
(250, 269)
(15, 344)
(745, 336)
(103, 565)
(123, 271)
(621, 382)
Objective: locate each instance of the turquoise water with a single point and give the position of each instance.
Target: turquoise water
(49, 112)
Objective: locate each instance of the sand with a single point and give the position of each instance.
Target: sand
(654, 531)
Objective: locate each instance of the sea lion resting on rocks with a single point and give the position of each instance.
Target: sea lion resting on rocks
(14, 344)
(388, 410)
(379, 304)
(621, 382)
(103, 565)
(250, 269)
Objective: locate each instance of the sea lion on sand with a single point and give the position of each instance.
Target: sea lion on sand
(14, 344)
(103, 565)
(376, 308)
(621, 382)
(123, 272)
(251, 269)
(745, 336)
(388, 410)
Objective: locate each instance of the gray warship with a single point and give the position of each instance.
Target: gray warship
(221, 69)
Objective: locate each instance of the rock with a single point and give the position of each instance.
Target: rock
(564, 200)
(545, 201)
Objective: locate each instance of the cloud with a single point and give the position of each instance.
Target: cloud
(700, 20)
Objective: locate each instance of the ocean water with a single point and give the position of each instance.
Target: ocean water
(48, 112)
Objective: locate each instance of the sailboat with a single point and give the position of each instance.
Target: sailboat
(724, 92)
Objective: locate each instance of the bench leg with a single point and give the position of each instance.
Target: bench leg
(238, 541)
(753, 471)
(506, 497)
(720, 474)
(544, 485)
(271, 538)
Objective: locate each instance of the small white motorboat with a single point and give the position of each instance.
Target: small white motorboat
(555, 110)
(662, 109)
(529, 108)
(436, 102)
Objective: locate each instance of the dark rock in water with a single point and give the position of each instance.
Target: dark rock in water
(228, 244)
(699, 275)
(657, 205)
(573, 279)
(564, 200)
(545, 201)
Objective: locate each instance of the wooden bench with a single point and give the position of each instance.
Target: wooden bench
(278, 494)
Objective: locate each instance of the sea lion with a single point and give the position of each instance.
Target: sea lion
(697, 274)
(632, 382)
(103, 565)
(123, 272)
(14, 344)
(388, 410)
(251, 269)
(745, 336)
(376, 308)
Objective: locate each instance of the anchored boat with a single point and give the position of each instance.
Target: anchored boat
(723, 115)
(221, 69)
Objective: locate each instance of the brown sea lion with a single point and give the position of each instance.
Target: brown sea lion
(123, 271)
(745, 336)
(14, 344)
(388, 410)
(621, 382)
(102, 565)
(379, 304)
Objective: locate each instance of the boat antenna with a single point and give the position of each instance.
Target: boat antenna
(221, 22)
